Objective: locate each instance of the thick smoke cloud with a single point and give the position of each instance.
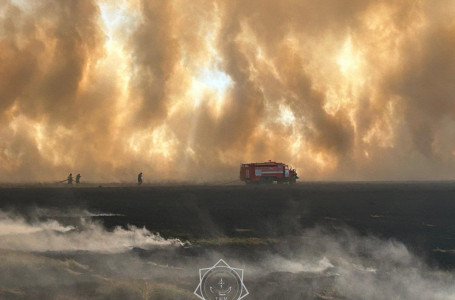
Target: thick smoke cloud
(188, 90)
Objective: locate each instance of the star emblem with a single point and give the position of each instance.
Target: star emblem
(221, 282)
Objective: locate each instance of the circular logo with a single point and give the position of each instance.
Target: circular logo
(221, 283)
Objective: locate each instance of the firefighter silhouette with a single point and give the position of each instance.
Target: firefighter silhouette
(139, 179)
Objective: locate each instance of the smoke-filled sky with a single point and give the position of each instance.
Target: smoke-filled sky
(188, 90)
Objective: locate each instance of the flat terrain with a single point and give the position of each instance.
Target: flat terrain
(307, 241)
(421, 215)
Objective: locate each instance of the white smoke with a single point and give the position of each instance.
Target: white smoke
(346, 265)
(71, 213)
(321, 264)
(281, 264)
(18, 234)
(14, 226)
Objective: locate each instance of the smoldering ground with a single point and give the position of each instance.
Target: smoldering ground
(43, 258)
(349, 90)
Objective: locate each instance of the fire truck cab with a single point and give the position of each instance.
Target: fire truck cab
(267, 172)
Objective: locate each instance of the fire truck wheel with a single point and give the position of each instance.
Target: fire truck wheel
(266, 180)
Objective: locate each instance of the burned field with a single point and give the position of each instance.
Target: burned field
(418, 214)
(307, 241)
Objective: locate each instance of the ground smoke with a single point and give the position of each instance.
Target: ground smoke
(133, 263)
(50, 235)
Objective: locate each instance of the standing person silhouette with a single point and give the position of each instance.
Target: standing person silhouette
(78, 178)
(70, 178)
(139, 179)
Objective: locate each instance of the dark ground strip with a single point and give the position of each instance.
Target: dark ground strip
(421, 215)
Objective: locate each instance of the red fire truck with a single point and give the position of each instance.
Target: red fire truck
(267, 172)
